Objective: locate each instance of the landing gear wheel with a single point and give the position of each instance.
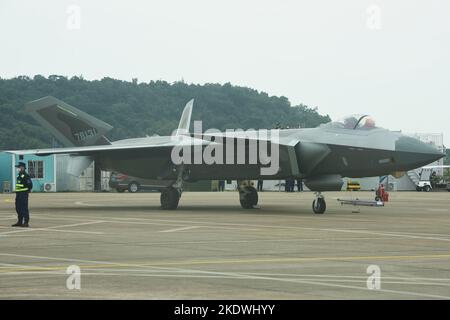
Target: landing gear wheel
(319, 206)
(248, 197)
(133, 187)
(169, 198)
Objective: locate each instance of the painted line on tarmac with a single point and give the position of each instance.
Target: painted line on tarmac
(268, 278)
(11, 217)
(438, 210)
(240, 276)
(66, 218)
(55, 229)
(81, 203)
(139, 273)
(209, 242)
(237, 276)
(27, 269)
(6, 265)
(389, 234)
(212, 224)
(306, 259)
(204, 226)
(110, 220)
(422, 233)
(397, 292)
(103, 264)
(294, 275)
(369, 232)
(182, 229)
(143, 222)
(353, 218)
(84, 273)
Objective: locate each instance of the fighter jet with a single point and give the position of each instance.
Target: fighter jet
(354, 147)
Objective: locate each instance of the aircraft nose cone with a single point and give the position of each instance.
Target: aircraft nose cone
(416, 152)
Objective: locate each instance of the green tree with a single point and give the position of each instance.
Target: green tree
(137, 109)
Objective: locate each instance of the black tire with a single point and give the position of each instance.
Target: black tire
(133, 187)
(120, 190)
(427, 188)
(418, 189)
(319, 206)
(169, 198)
(248, 198)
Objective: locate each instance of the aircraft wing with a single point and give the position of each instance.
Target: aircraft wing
(436, 167)
(134, 144)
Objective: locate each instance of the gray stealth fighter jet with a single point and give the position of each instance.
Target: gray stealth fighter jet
(320, 156)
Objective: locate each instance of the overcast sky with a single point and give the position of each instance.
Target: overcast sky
(390, 59)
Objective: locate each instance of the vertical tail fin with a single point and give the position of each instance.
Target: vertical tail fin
(185, 120)
(72, 127)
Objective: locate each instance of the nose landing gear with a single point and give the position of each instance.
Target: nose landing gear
(319, 205)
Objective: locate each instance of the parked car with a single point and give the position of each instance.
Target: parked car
(448, 186)
(122, 182)
(424, 186)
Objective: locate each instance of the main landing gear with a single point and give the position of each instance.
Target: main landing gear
(248, 196)
(319, 205)
(170, 197)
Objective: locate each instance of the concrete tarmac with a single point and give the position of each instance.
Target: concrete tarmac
(128, 248)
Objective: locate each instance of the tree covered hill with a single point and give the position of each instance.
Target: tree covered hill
(138, 109)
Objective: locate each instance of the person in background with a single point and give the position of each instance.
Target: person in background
(299, 185)
(290, 182)
(260, 185)
(221, 185)
(23, 188)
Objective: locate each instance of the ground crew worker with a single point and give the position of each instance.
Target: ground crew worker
(221, 185)
(299, 185)
(23, 188)
(260, 185)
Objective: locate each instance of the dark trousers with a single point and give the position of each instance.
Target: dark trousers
(299, 185)
(23, 214)
(260, 185)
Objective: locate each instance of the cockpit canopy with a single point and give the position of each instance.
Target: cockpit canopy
(353, 122)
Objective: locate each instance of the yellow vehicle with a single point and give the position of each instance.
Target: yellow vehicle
(353, 186)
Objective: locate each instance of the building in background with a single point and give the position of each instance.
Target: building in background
(49, 174)
(40, 169)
